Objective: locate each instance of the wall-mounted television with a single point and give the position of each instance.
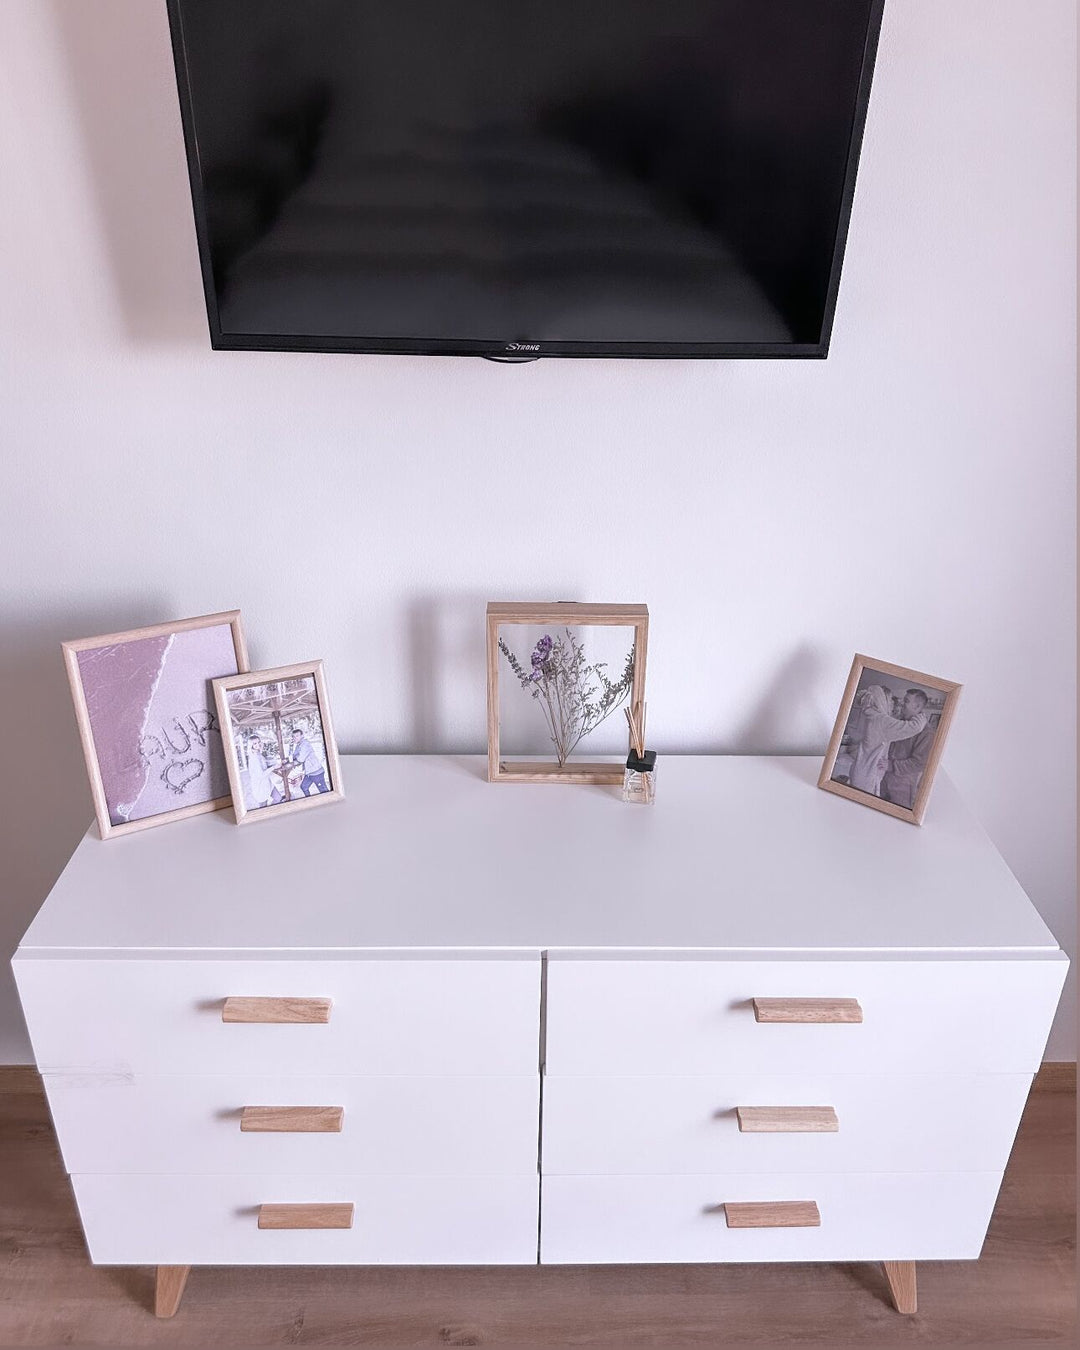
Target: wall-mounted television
(513, 178)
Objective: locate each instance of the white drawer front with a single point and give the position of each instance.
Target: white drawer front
(895, 1123)
(387, 1016)
(213, 1220)
(696, 1017)
(870, 1217)
(423, 1126)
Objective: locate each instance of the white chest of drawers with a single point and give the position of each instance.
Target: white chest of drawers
(412, 972)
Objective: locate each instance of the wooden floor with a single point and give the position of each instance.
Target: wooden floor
(1023, 1288)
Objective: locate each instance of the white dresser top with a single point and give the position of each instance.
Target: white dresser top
(739, 853)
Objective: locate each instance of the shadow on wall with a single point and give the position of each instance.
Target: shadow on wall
(45, 803)
(119, 59)
(448, 672)
(448, 678)
(786, 710)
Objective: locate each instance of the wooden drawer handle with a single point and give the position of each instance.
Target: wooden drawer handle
(807, 1010)
(292, 1119)
(305, 1216)
(276, 1010)
(787, 1119)
(774, 1214)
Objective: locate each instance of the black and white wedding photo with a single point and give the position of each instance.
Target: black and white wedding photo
(889, 736)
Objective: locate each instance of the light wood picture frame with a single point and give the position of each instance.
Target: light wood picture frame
(873, 758)
(278, 736)
(560, 614)
(145, 713)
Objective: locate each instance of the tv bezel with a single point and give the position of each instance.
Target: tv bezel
(510, 350)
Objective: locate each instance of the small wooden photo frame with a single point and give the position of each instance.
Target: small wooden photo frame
(279, 741)
(558, 643)
(889, 736)
(145, 710)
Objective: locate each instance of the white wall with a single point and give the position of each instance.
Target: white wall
(912, 497)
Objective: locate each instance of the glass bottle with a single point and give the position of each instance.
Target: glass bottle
(639, 778)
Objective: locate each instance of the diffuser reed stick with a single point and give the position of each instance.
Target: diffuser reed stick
(637, 740)
(638, 781)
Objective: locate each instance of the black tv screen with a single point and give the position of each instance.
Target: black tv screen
(524, 177)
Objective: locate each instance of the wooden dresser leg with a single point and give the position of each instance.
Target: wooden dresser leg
(169, 1289)
(901, 1277)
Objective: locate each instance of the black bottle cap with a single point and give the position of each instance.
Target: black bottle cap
(645, 764)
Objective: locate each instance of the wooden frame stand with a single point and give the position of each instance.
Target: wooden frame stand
(228, 618)
(951, 692)
(560, 614)
(236, 720)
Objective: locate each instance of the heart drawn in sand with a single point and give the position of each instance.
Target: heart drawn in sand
(181, 772)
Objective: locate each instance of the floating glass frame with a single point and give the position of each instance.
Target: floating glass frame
(509, 660)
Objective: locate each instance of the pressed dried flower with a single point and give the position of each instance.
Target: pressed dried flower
(573, 697)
